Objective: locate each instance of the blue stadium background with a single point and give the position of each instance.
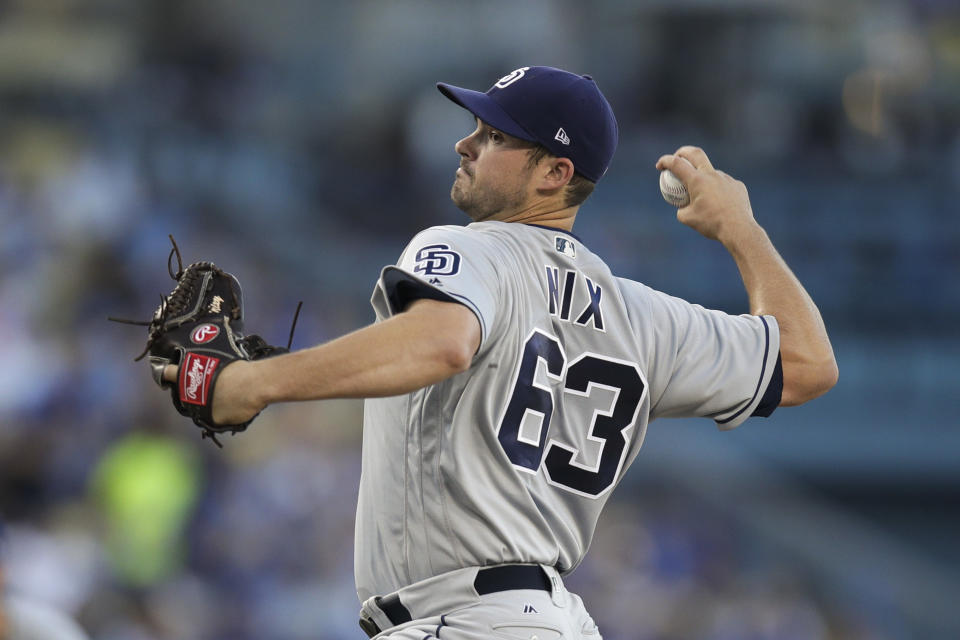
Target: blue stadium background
(302, 143)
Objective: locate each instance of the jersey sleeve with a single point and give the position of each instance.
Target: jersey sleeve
(708, 363)
(441, 263)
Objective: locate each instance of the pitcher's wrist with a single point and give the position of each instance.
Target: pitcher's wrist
(738, 236)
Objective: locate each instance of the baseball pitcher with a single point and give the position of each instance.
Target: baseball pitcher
(510, 376)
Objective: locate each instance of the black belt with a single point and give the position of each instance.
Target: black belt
(511, 576)
(488, 580)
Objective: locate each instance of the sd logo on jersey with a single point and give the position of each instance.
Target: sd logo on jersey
(437, 260)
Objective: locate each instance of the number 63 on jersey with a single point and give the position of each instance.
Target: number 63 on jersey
(579, 378)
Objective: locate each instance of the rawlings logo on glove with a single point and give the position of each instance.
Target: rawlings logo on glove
(199, 326)
(204, 333)
(196, 376)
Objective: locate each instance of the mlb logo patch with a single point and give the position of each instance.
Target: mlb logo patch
(566, 247)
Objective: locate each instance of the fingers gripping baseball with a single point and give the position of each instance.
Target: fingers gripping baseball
(719, 204)
(695, 156)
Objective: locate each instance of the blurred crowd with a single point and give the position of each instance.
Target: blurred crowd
(259, 546)
(300, 145)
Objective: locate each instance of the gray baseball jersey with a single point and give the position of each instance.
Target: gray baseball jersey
(512, 460)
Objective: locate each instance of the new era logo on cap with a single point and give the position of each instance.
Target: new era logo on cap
(563, 111)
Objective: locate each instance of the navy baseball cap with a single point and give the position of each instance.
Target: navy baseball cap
(563, 111)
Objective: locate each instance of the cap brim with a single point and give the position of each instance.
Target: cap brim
(485, 108)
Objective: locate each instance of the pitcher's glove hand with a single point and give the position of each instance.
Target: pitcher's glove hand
(199, 327)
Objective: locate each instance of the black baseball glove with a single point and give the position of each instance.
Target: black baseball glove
(199, 326)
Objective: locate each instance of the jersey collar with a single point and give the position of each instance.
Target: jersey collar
(543, 226)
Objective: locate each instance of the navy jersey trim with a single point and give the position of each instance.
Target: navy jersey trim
(468, 303)
(402, 289)
(774, 393)
(543, 226)
(763, 371)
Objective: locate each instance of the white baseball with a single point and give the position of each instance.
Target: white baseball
(673, 190)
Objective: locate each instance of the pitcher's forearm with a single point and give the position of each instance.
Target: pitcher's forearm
(424, 345)
(375, 361)
(429, 342)
(773, 289)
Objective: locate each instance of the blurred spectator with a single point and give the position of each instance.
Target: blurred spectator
(27, 618)
(146, 487)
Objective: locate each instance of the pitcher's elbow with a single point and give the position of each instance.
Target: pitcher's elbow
(459, 359)
(804, 383)
(454, 354)
(826, 379)
(831, 376)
